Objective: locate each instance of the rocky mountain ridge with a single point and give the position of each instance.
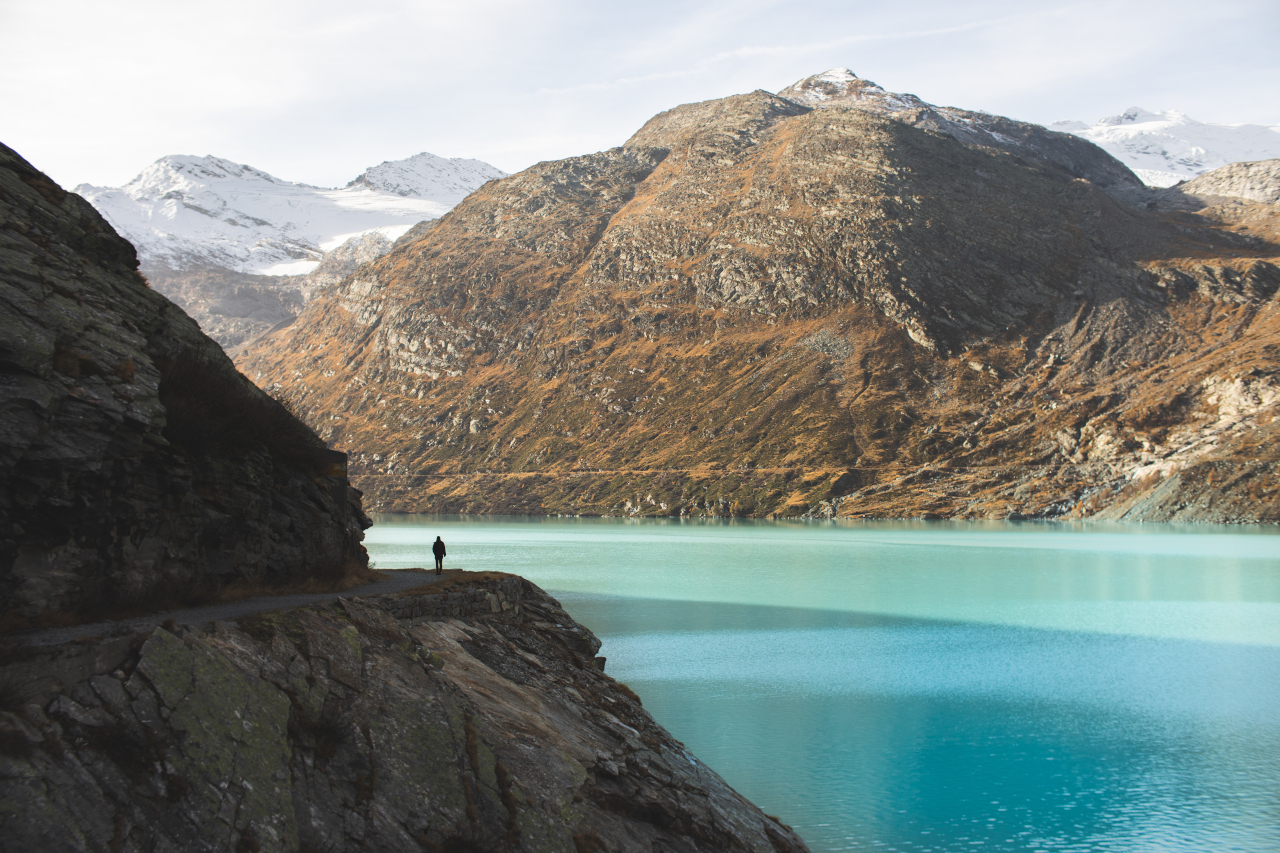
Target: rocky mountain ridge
(760, 307)
(234, 308)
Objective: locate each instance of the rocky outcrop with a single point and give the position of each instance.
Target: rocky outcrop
(137, 466)
(340, 727)
(1258, 181)
(760, 307)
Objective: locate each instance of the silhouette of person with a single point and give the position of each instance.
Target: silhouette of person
(437, 548)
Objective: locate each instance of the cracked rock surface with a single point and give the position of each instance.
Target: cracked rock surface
(339, 727)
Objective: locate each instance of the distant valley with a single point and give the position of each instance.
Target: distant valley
(833, 301)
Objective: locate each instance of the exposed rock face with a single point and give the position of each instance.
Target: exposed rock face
(233, 307)
(137, 466)
(342, 728)
(756, 307)
(1258, 181)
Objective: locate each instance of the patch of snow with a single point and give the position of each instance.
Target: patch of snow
(290, 268)
(185, 212)
(1156, 178)
(1163, 148)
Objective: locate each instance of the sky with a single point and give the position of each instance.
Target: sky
(318, 91)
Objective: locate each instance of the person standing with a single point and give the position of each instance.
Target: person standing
(437, 548)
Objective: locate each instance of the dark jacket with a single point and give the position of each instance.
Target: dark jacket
(438, 548)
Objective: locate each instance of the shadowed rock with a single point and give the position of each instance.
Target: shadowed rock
(137, 466)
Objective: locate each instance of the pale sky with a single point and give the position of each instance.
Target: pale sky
(317, 91)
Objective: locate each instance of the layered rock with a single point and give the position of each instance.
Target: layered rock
(759, 307)
(137, 466)
(342, 728)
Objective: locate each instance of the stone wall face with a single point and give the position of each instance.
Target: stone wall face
(501, 597)
(137, 466)
(339, 727)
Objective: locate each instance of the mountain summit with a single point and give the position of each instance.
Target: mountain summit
(758, 306)
(199, 212)
(840, 88)
(428, 176)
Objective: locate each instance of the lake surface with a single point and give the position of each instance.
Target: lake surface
(934, 686)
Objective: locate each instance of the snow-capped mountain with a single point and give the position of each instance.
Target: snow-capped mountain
(1164, 148)
(427, 176)
(188, 212)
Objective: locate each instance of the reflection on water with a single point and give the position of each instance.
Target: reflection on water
(938, 687)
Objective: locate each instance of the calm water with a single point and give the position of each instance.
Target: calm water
(935, 686)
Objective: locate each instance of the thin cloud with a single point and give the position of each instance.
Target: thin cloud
(708, 64)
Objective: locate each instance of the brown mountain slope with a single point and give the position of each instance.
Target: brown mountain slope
(754, 307)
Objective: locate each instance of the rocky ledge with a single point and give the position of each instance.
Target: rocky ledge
(341, 727)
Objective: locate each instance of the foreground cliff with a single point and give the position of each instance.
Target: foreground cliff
(137, 467)
(476, 720)
(834, 301)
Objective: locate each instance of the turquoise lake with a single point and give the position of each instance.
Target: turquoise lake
(934, 686)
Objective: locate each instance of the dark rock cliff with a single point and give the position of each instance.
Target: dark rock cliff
(137, 466)
(341, 728)
(757, 307)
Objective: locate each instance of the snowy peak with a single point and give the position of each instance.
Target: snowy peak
(184, 173)
(428, 176)
(184, 212)
(841, 87)
(1166, 147)
(1135, 115)
(199, 170)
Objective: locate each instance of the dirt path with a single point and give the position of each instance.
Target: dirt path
(396, 581)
